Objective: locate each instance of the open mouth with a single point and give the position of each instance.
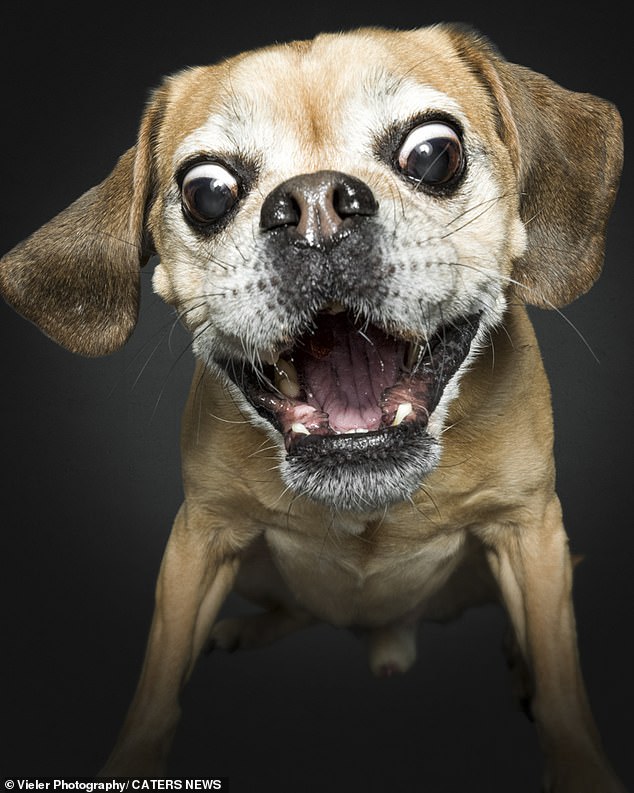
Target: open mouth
(347, 385)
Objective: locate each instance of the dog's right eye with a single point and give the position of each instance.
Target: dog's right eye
(208, 192)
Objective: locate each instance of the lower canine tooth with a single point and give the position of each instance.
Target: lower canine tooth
(404, 409)
(299, 428)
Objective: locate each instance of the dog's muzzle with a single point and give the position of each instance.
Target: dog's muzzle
(351, 401)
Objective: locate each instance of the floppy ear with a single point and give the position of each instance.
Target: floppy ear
(567, 150)
(77, 277)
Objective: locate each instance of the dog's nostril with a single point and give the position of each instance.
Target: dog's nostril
(353, 197)
(316, 205)
(279, 209)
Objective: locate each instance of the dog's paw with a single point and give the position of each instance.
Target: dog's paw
(392, 650)
(520, 676)
(233, 634)
(255, 630)
(135, 759)
(583, 776)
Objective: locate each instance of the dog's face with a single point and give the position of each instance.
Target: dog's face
(340, 223)
(338, 230)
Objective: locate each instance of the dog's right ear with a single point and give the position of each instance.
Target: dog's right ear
(78, 277)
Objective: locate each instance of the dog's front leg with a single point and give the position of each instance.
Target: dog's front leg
(534, 572)
(196, 576)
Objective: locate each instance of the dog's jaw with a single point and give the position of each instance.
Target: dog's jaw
(356, 415)
(363, 474)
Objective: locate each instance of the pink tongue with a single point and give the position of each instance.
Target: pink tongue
(345, 371)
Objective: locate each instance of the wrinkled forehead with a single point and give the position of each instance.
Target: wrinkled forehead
(312, 103)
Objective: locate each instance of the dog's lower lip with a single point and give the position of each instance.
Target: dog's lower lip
(347, 379)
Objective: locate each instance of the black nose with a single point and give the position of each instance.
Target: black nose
(317, 208)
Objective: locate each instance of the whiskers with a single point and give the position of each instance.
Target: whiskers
(468, 217)
(149, 351)
(473, 213)
(524, 289)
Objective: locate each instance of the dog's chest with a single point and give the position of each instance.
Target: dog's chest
(369, 579)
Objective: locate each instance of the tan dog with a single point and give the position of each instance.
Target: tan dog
(350, 227)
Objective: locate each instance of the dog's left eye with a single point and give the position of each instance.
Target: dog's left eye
(208, 191)
(432, 155)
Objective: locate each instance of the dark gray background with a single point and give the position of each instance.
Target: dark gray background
(90, 461)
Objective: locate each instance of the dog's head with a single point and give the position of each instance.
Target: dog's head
(339, 222)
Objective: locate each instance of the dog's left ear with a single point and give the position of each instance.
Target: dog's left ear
(567, 150)
(78, 277)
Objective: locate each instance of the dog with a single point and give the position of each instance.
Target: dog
(351, 228)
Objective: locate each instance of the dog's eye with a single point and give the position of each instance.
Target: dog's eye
(432, 155)
(208, 191)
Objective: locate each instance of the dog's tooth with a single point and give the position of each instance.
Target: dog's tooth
(299, 428)
(359, 431)
(288, 388)
(403, 410)
(413, 356)
(286, 378)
